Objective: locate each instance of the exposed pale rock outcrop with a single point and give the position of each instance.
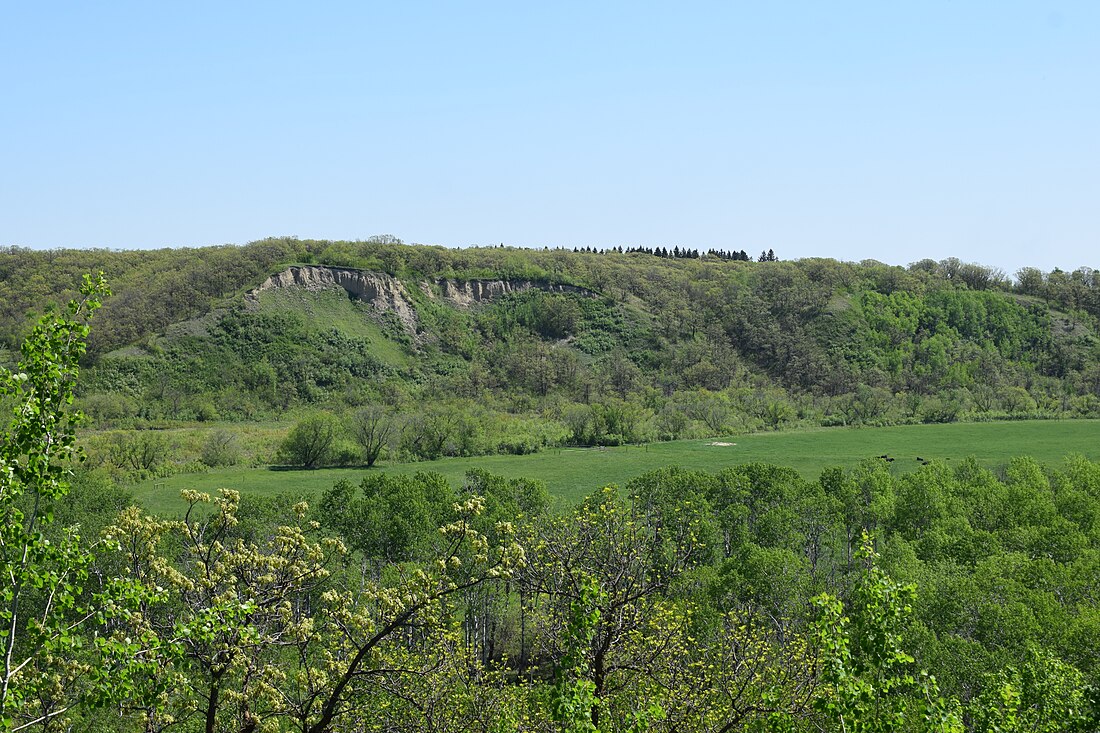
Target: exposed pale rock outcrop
(387, 293)
(465, 293)
(383, 291)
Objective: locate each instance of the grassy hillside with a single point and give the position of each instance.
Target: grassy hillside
(331, 310)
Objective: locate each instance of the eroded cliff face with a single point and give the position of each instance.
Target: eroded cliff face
(384, 292)
(464, 293)
(388, 294)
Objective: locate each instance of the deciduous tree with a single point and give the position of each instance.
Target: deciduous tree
(46, 598)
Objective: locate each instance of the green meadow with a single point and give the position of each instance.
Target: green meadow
(571, 473)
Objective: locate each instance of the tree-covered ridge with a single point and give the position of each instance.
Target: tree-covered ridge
(155, 288)
(170, 285)
(668, 347)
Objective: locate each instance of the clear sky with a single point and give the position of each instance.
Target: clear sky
(886, 130)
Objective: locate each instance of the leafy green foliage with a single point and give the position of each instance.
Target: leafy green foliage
(49, 603)
(870, 682)
(681, 604)
(573, 696)
(1044, 695)
(311, 442)
(389, 518)
(42, 592)
(221, 448)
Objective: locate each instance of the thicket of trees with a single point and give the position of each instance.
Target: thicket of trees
(747, 600)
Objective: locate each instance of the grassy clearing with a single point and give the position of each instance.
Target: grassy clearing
(572, 473)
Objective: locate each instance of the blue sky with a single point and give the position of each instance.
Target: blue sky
(886, 130)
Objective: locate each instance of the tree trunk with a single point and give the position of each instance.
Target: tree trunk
(212, 706)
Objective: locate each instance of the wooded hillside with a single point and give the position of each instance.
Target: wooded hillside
(590, 348)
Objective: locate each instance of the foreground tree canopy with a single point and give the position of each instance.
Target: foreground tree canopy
(947, 599)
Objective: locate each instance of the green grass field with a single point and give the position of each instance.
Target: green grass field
(572, 473)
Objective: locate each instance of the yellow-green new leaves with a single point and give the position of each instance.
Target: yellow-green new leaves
(630, 550)
(257, 636)
(230, 605)
(735, 673)
(348, 655)
(573, 700)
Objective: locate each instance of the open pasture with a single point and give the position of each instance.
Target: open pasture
(571, 473)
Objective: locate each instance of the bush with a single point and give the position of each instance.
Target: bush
(221, 449)
(310, 442)
(940, 409)
(206, 412)
(345, 453)
(108, 409)
(139, 453)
